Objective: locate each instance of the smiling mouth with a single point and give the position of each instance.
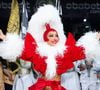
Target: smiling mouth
(54, 42)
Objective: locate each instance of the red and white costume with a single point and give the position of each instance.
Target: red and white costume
(46, 59)
(64, 63)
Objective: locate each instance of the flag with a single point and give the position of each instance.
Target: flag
(14, 20)
(24, 23)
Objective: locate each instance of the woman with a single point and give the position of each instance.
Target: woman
(47, 48)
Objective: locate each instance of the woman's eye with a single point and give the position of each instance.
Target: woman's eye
(50, 35)
(56, 35)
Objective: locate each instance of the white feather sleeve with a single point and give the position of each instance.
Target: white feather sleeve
(11, 47)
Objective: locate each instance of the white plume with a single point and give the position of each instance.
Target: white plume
(92, 46)
(51, 67)
(11, 47)
(45, 14)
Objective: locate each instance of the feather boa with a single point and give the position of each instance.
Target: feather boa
(50, 52)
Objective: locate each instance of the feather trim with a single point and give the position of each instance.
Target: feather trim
(46, 14)
(11, 47)
(51, 52)
(92, 46)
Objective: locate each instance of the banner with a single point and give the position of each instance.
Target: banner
(79, 9)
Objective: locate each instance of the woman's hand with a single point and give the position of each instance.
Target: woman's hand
(2, 36)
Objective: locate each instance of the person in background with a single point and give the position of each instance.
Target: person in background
(70, 79)
(87, 75)
(90, 67)
(97, 64)
(25, 77)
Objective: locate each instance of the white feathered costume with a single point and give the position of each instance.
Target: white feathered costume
(91, 44)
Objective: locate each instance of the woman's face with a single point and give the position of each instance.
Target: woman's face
(52, 38)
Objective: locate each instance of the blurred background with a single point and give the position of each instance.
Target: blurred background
(78, 16)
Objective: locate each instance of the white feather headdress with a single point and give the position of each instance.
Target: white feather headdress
(45, 14)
